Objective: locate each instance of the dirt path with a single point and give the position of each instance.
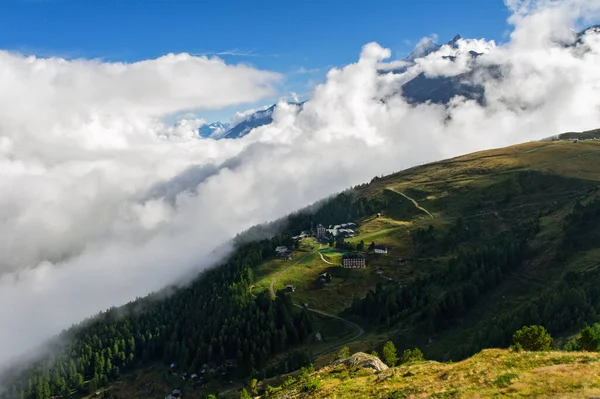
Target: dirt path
(281, 273)
(419, 207)
(359, 330)
(325, 260)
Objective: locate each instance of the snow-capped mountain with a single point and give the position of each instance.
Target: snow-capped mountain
(420, 88)
(240, 129)
(214, 130)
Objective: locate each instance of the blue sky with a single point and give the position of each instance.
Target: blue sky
(280, 35)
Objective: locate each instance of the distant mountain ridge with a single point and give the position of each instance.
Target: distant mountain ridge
(213, 130)
(418, 90)
(262, 117)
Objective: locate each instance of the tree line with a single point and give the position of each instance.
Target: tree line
(213, 320)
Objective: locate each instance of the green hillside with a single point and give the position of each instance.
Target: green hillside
(477, 246)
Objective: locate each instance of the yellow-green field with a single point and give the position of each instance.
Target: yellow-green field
(493, 373)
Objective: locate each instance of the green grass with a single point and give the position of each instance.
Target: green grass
(492, 373)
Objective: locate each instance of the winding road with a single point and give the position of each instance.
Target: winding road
(413, 201)
(359, 330)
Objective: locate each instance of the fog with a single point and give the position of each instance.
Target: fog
(103, 202)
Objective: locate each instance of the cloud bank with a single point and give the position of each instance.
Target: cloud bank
(102, 202)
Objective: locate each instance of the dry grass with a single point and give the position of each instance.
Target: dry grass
(492, 373)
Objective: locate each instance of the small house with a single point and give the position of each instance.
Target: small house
(353, 261)
(283, 253)
(281, 249)
(380, 249)
(325, 278)
(401, 261)
(379, 271)
(290, 288)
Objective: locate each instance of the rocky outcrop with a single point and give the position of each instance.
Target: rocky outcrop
(362, 360)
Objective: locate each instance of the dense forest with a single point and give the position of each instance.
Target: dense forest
(575, 301)
(440, 298)
(215, 320)
(438, 301)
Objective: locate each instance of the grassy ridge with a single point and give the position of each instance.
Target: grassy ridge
(492, 373)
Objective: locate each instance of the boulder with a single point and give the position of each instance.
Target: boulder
(363, 360)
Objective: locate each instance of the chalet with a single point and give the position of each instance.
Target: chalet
(325, 278)
(283, 253)
(290, 288)
(346, 232)
(281, 249)
(353, 261)
(174, 395)
(321, 230)
(380, 249)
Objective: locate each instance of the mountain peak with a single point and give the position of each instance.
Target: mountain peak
(455, 40)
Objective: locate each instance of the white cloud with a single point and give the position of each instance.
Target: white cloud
(102, 202)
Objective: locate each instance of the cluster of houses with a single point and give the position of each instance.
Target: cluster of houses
(283, 252)
(345, 230)
(303, 234)
(199, 377)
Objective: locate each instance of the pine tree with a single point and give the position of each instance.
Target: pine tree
(390, 355)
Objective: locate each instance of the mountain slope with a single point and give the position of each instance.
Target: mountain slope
(488, 242)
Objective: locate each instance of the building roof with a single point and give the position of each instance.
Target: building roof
(353, 255)
(380, 247)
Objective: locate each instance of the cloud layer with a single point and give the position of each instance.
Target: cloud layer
(102, 202)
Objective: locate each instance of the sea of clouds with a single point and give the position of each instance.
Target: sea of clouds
(102, 202)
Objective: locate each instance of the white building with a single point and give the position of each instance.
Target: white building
(380, 249)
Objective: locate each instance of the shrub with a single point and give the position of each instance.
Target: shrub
(270, 390)
(290, 380)
(533, 338)
(244, 394)
(390, 356)
(343, 353)
(589, 339)
(505, 380)
(305, 372)
(414, 355)
(312, 384)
